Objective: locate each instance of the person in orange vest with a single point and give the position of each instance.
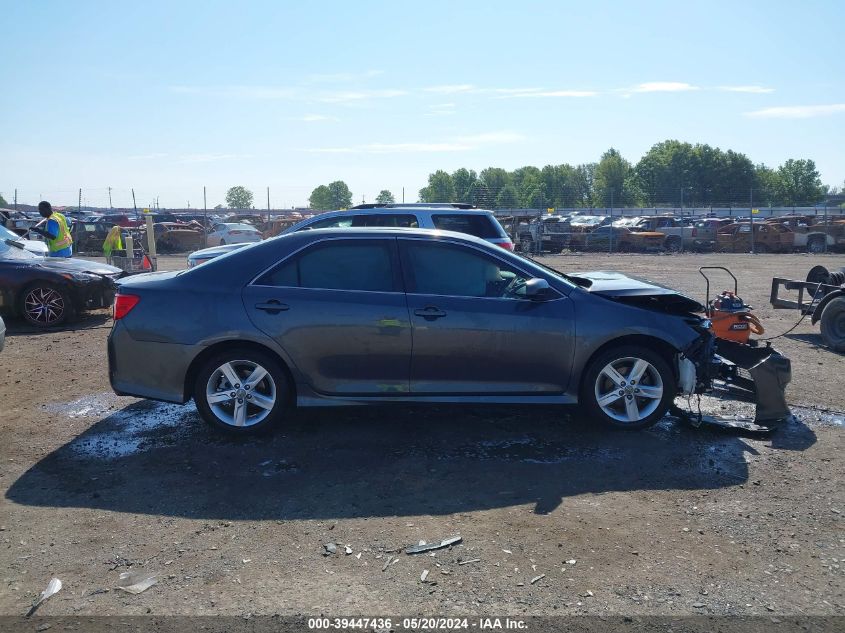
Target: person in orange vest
(55, 231)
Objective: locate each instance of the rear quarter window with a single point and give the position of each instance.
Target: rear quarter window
(480, 225)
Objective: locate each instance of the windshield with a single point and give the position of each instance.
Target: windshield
(6, 234)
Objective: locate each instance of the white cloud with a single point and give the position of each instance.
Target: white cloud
(664, 86)
(451, 88)
(797, 112)
(361, 95)
(441, 109)
(459, 144)
(316, 118)
(345, 77)
(749, 89)
(552, 93)
(240, 92)
(209, 158)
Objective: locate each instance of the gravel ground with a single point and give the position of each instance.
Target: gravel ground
(556, 517)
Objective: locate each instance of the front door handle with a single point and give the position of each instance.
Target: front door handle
(273, 306)
(430, 313)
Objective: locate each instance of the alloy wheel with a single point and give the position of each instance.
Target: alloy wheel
(44, 306)
(629, 389)
(241, 393)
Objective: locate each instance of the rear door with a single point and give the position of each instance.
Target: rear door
(338, 310)
(473, 332)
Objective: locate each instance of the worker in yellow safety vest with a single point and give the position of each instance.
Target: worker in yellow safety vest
(113, 241)
(55, 231)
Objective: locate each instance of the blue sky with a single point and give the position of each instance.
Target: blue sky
(167, 97)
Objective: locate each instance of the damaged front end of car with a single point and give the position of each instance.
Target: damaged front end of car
(748, 372)
(752, 373)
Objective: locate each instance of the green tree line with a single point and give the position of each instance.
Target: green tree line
(671, 173)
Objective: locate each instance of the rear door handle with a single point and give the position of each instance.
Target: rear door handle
(430, 313)
(273, 306)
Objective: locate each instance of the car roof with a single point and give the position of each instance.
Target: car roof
(391, 231)
(396, 210)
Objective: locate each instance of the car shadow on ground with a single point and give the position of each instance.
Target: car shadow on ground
(85, 321)
(376, 461)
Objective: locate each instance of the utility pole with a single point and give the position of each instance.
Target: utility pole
(610, 242)
(134, 204)
(751, 216)
(403, 195)
(79, 207)
(268, 204)
(16, 199)
(110, 205)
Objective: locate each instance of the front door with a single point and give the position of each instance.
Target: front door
(474, 332)
(338, 310)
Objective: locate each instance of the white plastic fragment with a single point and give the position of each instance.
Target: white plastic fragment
(136, 581)
(53, 587)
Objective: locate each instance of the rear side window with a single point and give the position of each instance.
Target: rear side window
(480, 225)
(342, 222)
(386, 220)
(337, 265)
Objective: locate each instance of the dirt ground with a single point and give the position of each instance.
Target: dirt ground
(556, 517)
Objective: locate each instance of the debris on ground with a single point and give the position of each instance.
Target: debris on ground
(387, 563)
(427, 547)
(467, 562)
(136, 581)
(53, 587)
(537, 578)
(329, 549)
(571, 561)
(347, 550)
(424, 575)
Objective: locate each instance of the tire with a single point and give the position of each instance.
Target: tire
(223, 414)
(761, 249)
(222, 242)
(43, 304)
(605, 404)
(815, 246)
(833, 324)
(673, 245)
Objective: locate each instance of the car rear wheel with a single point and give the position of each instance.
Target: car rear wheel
(816, 245)
(45, 305)
(241, 391)
(673, 245)
(628, 387)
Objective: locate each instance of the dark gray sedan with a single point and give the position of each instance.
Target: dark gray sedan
(329, 317)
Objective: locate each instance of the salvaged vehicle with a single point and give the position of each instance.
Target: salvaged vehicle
(88, 237)
(768, 238)
(366, 316)
(706, 231)
(812, 233)
(546, 234)
(679, 234)
(46, 291)
(617, 238)
(233, 233)
(173, 237)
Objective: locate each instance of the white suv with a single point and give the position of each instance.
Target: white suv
(447, 217)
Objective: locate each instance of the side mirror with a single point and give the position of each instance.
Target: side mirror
(536, 288)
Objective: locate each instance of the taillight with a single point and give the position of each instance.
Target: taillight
(508, 246)
(123, 304)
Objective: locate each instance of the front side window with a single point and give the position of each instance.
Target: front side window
(337, 265)
(449, 270)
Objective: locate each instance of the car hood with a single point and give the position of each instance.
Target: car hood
(640, 292)
(71, 265)
(35, 247)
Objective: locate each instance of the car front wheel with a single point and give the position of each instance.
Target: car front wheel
(241, 391)
(45, 305)
(628, 387)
